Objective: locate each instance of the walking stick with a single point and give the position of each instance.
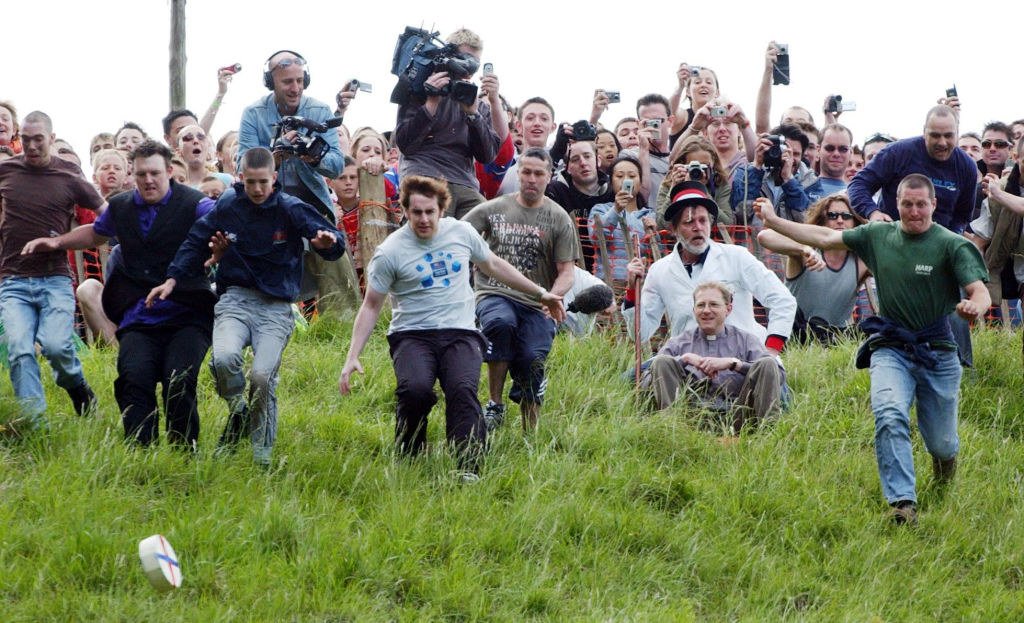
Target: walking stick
(652, 235)
(638, 349)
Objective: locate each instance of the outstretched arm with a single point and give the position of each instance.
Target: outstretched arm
(82, 237)
(506, 273)
(813, 235)
(366, 320)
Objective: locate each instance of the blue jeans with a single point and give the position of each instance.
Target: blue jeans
(896, 380)
(245, 317)
(39, 309)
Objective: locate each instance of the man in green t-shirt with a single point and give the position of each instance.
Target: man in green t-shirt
(919, 267)
(536, 236)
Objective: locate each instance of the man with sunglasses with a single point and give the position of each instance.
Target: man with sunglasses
(835, 152)
(995, 147)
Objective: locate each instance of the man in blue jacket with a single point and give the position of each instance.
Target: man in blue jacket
(954, 175)
(934, 155)
(286, 74)
(258, 234)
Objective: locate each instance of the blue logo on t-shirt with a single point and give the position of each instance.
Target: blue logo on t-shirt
(441, 266)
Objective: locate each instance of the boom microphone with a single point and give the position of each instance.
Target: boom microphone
(592, 300)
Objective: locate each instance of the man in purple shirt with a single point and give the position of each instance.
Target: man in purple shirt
(164, 343)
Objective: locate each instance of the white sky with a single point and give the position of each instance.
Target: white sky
(92, 66)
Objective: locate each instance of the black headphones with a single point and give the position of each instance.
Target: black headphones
(268, 71)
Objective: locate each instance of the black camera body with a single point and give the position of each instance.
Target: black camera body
(583, 130)
(773, 157)
(695, 171)
(420, 54)
(307, 142)
(835, 104)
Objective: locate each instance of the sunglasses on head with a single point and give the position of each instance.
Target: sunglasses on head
(288, 62)
(190, 137)
(834, 216)
(831, 148)
(998, 144)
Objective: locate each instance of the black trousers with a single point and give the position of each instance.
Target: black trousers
(454, 358)
(172, 357)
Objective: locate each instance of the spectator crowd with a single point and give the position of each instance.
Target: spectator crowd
(490, 226)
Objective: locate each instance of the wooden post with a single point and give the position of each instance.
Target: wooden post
(655, 242)
(602, 249)
(373, 216)
(177, 64)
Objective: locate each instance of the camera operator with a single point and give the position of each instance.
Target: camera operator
(286, 74)
(777, 173)
(440, 137)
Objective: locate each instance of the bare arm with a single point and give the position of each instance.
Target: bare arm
(813, 235)
(563, 282)
(223, 78)
(82, 237)
(977, 302)
(499, 121)
(506, 273)
(764, 94)
(365, 321)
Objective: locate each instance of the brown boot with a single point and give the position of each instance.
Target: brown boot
(944, 469)
(903, 513)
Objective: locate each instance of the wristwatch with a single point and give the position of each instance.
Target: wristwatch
(540, 294)
(734, 366)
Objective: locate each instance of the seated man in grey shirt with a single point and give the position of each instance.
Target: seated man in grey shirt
(425, 266)
(724, 367)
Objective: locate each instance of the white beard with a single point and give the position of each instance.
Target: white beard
(694, 250)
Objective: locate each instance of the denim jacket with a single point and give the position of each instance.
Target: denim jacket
(257, 130)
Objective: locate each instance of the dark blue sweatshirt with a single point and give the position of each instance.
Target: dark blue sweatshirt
(955, 181)
(266, 247)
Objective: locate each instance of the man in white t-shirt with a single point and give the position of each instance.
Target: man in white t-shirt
(425, 266)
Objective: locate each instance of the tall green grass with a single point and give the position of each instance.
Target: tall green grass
(607, 512)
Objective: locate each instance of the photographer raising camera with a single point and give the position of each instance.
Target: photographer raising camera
(442, 129)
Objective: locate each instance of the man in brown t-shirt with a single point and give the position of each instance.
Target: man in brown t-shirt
(38, 194)
(534, 234)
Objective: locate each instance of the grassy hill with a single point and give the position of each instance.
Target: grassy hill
(608, 512)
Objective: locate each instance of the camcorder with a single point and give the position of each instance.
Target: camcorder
(695, 171)
(780, 70)
(357, 85)
(773, 157)
(418, 55)
(307, 142)
(836, 104)
(583, 131)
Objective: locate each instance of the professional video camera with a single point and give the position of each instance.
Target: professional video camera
(419, 54)
(306, 142)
